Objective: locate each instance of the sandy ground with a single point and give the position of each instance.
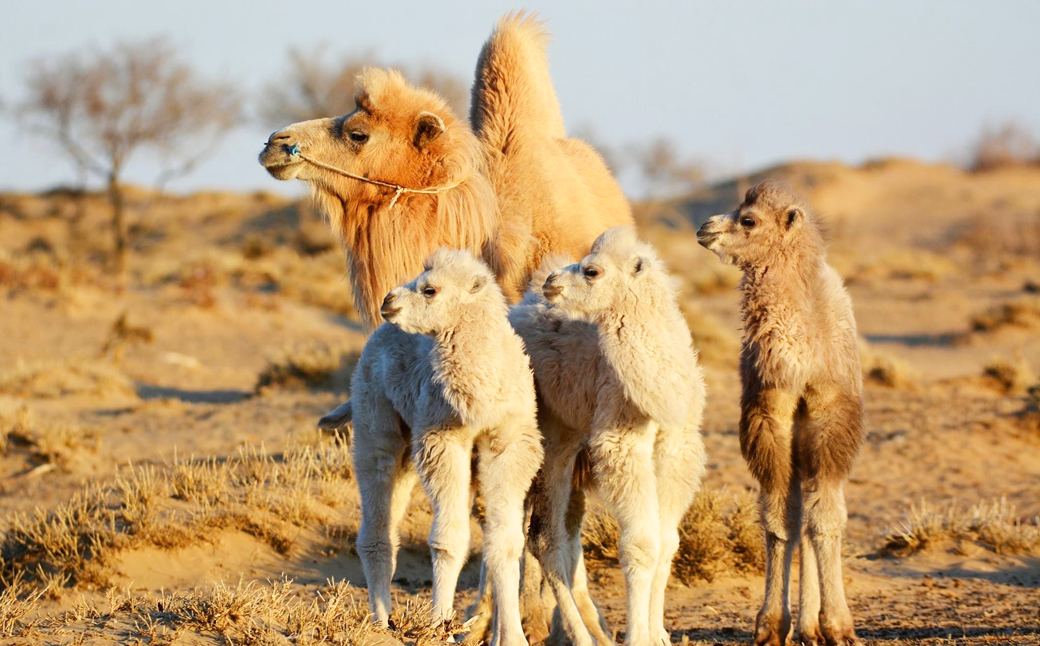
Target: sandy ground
(215, 279)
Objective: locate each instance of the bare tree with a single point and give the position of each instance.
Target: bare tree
(1010, 144)
(664, 171)
(103, 107)
(312, 87)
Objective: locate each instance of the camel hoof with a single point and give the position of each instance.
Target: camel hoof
(772, 631)
(809, 636)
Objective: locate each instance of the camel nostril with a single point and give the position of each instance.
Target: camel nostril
(389, 299)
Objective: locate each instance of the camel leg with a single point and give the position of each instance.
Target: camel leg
(623, 465)
(680, 461)
(832, 432)
(766, 442)
(385, 480)
(550, 541)
(808, 631)
(508, 464)
(826, 516)
(590, 613)
(442, 459)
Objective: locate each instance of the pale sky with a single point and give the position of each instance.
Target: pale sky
(738, 84)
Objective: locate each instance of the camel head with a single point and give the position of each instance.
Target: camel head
(769, 226)
(618, 267)
(397, 136)
(397, 133)
(453, 285)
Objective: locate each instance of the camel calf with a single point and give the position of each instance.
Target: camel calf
(801, 421)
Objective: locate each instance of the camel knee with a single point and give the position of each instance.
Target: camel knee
(825, 513)
(640, 551)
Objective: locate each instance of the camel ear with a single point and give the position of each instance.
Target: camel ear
(478, 284)
(794, 214)
(641, 264)
(428, 127)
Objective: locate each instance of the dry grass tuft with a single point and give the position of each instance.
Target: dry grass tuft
(720, 533)
(313, 365)
(61, 379)
(58, 444)
(992, 525)
(16, 603)
(716, 344)
(1023, 313)
(124, 333)
(1011, 377)
(885, 370)
(275, 612)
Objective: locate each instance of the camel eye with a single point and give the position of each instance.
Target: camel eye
(358, 137)
(429, 291)
(747, 222)
(590, 272)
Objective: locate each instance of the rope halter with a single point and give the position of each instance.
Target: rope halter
(398, 189)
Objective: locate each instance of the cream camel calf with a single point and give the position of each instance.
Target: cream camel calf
(446, 374)
(617, 373)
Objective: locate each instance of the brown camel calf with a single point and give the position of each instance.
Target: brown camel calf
(801, 421)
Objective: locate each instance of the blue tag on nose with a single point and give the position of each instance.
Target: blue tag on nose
(295, 150)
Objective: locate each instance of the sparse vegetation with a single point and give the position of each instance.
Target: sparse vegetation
(885, 370)
(720, 533)
(1012, 377)
(1022, 313)
(44, 443)
(74, 543)
(993, 525)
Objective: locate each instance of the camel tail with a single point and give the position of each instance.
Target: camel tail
(338, 418)
(512, 92)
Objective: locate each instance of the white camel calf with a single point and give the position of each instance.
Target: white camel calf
(616, 372)
(447, 373)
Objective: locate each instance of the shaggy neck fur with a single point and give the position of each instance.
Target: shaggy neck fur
(780, 290)
(467, 356)
(386, 246)
(642, 332)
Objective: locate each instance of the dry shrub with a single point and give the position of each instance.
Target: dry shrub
(62, 378)
(906, 264)
(885, 370)
(70, 544)
(1022, 313)
(310, 365)
(599, 538)
(720, 533)
(993, 525)
(1012, 377)
(124, 333)
(45, 443)
(716, 344)
(1010, 144)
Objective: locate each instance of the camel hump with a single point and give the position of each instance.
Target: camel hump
(513, 92)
